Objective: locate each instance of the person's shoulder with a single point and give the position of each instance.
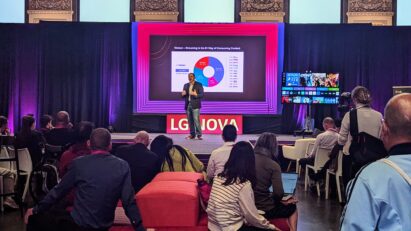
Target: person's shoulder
(217, 150)
(124, 147)
(375, 170)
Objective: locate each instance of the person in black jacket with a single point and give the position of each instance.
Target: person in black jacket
(144, 164)
(193, 92)
(30, 139)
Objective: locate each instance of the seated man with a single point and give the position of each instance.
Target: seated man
(62, 134)
(8, 183)
(101, 179)
(144, 164)
(220, 155)
(327, 140)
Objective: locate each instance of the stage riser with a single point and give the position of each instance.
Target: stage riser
(252, 124)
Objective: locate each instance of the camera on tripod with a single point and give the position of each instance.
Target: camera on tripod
(344, 103)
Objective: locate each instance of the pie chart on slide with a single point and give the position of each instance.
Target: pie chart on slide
(209, 71)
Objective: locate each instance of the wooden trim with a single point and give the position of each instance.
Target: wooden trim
(394, 9)
(287, 11)
(344, 10)
(237, 10)
(180, 11)
(76, 10)
(132, 9)
(26, 8)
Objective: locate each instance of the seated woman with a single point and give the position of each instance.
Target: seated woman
(79, 148)
(30, 139)
(174, 158)
(268, 173)
(231, 205)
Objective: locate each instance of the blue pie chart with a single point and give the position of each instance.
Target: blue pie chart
(209, 62)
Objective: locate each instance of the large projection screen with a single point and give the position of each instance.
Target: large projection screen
(236, 63)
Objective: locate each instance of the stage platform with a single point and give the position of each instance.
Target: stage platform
(200, 147)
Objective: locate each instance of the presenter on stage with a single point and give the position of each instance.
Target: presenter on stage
(193, 92)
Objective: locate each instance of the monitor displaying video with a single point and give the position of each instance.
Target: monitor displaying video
(310, 88)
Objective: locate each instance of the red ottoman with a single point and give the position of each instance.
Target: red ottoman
(169, 204)
(179, 176)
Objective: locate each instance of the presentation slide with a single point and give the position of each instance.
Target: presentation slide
(217, 71)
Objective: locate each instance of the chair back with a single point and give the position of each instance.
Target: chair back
(4, 155)
(321, 156)
(339, 164)
(54, 151)
(309, 148)
(25, 163)
(301, 147)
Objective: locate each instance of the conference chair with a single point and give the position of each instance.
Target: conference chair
(25, 165)
(7, 165)
(296, 152)
(321, 157)
(338, 174)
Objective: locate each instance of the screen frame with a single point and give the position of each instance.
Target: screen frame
(142, 61)
(283, 85)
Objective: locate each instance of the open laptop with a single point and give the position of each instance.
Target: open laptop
(289, 184)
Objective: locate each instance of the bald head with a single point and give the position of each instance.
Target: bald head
(100, 139)
(62, 118)
(397, 115)
(328, 122)
(142, 137)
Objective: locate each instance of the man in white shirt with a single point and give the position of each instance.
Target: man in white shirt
(327, 140)
(220, 155)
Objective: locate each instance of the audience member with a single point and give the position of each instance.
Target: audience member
(45, 123)
(30, 139)
(174, 158)
(62, 134)
(327, 140)
(4, 127)
(144, 164)
(268, 174)
(231, 205)
(101, 179)
(369, 121)
(379, 196)
(220, 155)
(79, 148)
(8, 186)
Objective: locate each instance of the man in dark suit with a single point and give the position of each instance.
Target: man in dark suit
(193, 92)
(62, 134)
(144, 164)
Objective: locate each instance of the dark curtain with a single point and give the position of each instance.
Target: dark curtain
(375, 57)
(84, 68)
(19, 50)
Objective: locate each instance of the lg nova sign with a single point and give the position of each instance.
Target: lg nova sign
(210, 124)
